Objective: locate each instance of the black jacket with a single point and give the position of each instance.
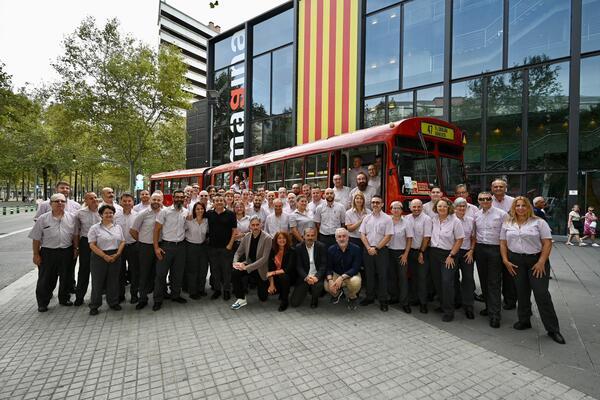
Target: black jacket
(303, 263)
(288, 263)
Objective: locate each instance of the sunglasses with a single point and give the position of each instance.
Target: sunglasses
(58, 201)
(484, 199)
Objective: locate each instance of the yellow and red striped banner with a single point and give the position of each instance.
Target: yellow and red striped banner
(327, 68)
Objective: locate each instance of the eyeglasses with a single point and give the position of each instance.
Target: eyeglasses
(58, 201)
(484, 199)
(375, 202)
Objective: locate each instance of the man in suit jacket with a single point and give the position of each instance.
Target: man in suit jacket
(251, 259)
(311, 265)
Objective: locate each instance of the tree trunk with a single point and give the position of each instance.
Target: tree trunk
(45, 179)
(131, 176)
(75, 193)
(23, 187)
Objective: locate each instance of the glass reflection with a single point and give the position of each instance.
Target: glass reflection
(230, 50)
(430, 102)
(382, 66)
(261, 86)
(538, 30)
(374, 5)
(589, 114)
(476, 36)
(548, 117)
(590, 28)
(374, 112)
(465, 112)
(505, 100)
(221, 110)
(400, 106)
(423, 52)
(554, 189)
(282, 81)
(274, 32)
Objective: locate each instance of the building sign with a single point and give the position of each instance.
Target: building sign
(437, 131)
(237, 95)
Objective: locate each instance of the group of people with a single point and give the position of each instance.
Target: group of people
(581, 228)
(298, 244)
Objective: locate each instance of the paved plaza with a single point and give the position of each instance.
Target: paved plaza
(204, 350)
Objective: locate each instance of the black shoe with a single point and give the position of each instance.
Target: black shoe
(447, 317)
(478, 297)
(439, 310)
(457, 306)
(495, 323)
(195, 296)
(226, 295)
(179, 300)
(282, 307)
(134, 300)
(121, 299)
(509, 306)
(167, 296)
(557, 337)
(414, 303)
(383, 307)
(423, 309)
(42, 308)
(157, 306)
(366, 302)
(521, 326)
(116, 307)
(141, 305)
(407, 309)
(469, 313)
(314, 303)
(93, 311)
(203, 294)
(215, 295)
(394, 301)
(67, 303)
(78, 302)
(484, 312)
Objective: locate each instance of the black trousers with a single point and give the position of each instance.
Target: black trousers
(443, 278)
(282, 283)
(489, 268)
(509, 290)
(327, 240)
(221, 261)
(302, 289)
(147, 266)
(196, 261)
(526, 283)
(83, 275)
(105, 275)
(55, 264)
(239, 280)
(173, 263)
(130, 267)
(466, 284)
(418, 275)
(363, 273)
(398, 278)
(377, 268)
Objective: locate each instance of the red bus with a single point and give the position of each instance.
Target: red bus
(414, 154)
(166, 182)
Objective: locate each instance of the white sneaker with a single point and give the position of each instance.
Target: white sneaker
(582, 244)
(595, 245)
(239, 304)
(570, 244)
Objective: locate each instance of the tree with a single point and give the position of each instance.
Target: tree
(121, 90)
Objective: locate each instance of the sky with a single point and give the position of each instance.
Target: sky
(31, 32)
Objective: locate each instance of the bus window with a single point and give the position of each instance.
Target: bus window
(274, 174)
(293, 172)
(420, 170)
(452, 174)
(259, 177)
(225, 184)
(317, 170)
(359, 159)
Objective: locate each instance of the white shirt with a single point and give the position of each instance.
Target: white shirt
(428, 209)
(421, 227)
(330, 217)
(144, 225)
(471, 210)
(268, 210)
(468, 224)
(343, 196)
(141, 207)
(276, 223)
(196, 232)
(402, 231)
(376, 227)
(288, 209)
(125, 221)
(312, 268)
(261, 213)
(117, 207)
(352, 217)
(44, 207)
(243, 224)
(52, 232)
(84, 219)
(106, 237)
(375, 183)
(505, 204)
(312, 206)
(368, 193)
(301, 221)
(445, 233)
(173, 223)
(488, 225)
(526, 238)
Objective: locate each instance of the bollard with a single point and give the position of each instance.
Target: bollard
(3, 210)
(12, 211)
(17, 210)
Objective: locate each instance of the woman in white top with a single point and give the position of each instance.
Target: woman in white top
(301, 219)
(196, 252)
(464, 258)
(575, 226)
(399, 247)
(243, 223)
(354, 218)
(447, 236)
(229, 200)
(107, 242)
(525, 245)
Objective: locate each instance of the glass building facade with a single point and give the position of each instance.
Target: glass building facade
(522, 78)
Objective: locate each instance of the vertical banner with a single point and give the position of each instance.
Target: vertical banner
(327, 68)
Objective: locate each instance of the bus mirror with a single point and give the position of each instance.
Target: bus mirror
(396, 155)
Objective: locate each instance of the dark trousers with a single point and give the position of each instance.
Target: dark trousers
(282, 283)
(173, 263)
(83, 275)
(398, 279)
(239, 280)
(302, 289)
(147, 266)
(327, 240)
(418, 275)
(196, 261)
(377, 268)
(443, 278)
(509, 290)
(526, 283)
(489, 268)
(105, 275)
(363, 273)
(221, 261)
(71, 272)
(55, 265)
(130, 267)
(466, 283)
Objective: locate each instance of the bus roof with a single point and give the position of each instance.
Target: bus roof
(359, 138)
(179, 173)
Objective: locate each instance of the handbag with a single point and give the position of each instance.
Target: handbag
(593, 224)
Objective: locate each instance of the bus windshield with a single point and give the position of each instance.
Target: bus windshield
(452, 174)
(417, 171)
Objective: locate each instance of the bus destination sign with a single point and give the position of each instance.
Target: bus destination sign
(437, 130)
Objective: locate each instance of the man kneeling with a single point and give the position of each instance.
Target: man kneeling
(343, 263)
(251, 260)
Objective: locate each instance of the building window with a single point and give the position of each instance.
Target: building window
(382, 64)
(554, 189)
(283, 75)
(423, 52)
(504, 120)
(476, 36)
(400, 106)
(538, 31)
(590, 28)
(261, 86)
(548, 117)
(374, 111)
(465, 111)
(430, 102)
(374, 5)
(274, 32)
(589, 115)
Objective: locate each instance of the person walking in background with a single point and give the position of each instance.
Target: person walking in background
(589, 226)
(575, 226)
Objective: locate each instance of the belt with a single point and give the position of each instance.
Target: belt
(323, 234)
(487, 245)
(172, 243)
(536, 255)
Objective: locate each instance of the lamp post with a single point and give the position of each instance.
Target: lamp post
(75, 191)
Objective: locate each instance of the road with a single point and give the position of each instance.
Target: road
(15, 247)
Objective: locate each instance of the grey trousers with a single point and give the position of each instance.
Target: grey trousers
(489, 268)
(173, 263)
(377, 268)
(418, 275)
(196, 260)
(221, 261)
(105, 275)
(398, 278)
